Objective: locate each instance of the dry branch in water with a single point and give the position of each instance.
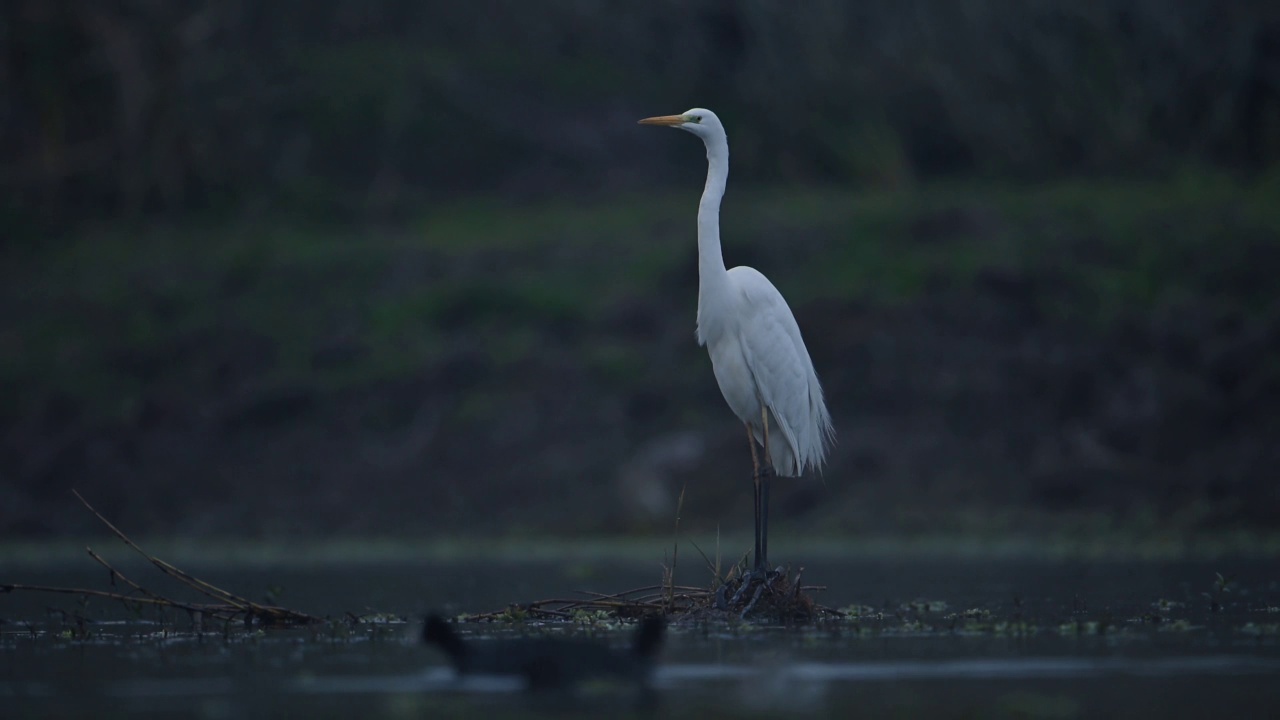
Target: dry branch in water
(779, 597)
(226, 606)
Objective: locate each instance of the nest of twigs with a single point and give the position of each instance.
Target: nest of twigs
(777, 597)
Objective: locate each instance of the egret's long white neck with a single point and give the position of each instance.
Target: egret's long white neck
(713, 279)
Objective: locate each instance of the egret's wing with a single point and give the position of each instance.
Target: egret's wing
(777, 360)
(784, 373)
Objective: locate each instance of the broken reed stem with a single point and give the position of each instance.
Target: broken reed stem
(117, 574)
(16, 587)
(675, 548)
(218, 612)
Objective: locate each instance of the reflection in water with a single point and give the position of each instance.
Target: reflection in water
(676, 676)
(546, 663)
(974, 669)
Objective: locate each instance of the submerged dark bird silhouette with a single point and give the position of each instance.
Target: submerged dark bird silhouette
(547, 662)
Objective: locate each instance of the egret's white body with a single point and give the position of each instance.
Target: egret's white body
(759, 359)
(760, 362)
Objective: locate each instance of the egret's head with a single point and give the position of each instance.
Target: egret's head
(699, 121)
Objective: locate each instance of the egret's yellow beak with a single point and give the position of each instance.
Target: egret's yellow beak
(665, 120)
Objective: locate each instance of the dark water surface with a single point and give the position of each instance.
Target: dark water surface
(933, 639)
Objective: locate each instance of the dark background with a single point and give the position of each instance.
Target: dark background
(289, 268)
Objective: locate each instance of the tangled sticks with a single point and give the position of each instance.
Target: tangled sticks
(776, 597)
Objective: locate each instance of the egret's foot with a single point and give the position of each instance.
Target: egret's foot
(754, 599)
(763, 575)
(743, 586)
(752, 584)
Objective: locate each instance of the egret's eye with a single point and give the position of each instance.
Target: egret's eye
(695, 119)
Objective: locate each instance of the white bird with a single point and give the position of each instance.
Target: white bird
(757, 354)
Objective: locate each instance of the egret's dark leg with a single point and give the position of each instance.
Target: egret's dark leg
(762, 555)
(755, 479)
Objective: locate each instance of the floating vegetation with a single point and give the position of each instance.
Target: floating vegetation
(1260, 629)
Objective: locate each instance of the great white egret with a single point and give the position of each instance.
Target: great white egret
(757, 354)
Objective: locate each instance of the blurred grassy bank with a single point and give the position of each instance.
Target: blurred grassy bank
(349, 107)
(994, 352)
